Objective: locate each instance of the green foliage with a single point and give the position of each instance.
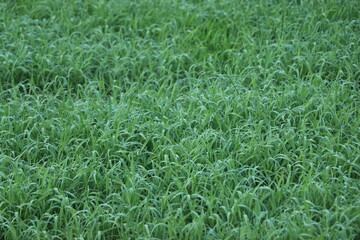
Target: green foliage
(170, 119)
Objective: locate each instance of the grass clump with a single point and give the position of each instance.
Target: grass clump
(179, 119)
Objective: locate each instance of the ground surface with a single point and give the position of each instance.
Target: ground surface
(173, 119)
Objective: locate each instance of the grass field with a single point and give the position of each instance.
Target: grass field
(177, 119)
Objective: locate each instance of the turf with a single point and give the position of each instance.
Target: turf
(176, 119)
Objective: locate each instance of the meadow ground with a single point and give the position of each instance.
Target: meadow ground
(176, 119)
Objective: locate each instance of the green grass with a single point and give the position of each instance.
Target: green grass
(167, 119)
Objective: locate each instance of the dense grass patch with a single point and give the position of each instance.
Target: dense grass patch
(179, 119)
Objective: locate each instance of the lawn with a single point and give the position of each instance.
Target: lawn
(179, 119)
